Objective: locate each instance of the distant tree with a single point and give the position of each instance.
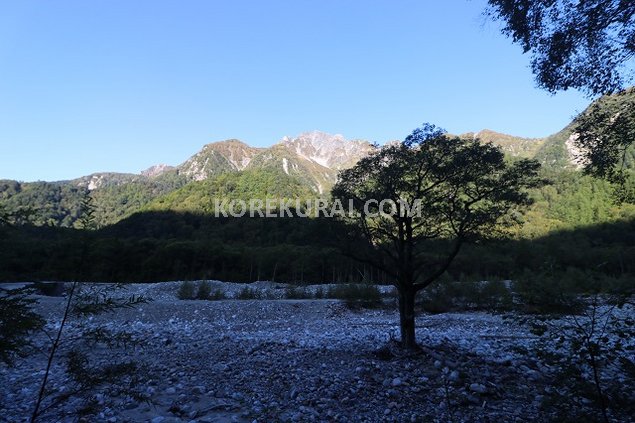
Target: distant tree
(4, 216)
(465, 190)
(87, 213)
(587, 45)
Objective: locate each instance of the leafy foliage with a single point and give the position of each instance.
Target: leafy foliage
(186, 291)
(574, 44)
(447, 295)
(41, 203)
(89, 376)
(248, 293)
(454, 190)
(605, 134)
(17, 322)
(356, 295)
(590, 349)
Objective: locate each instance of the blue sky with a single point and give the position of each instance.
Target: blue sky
(120, 85)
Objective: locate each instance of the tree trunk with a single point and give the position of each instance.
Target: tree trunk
(407, 318)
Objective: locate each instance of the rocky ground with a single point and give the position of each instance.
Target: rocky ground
(298, 360)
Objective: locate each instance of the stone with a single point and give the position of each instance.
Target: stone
(478, 388)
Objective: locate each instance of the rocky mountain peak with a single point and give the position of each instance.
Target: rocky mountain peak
(328, 150)
(156, 170)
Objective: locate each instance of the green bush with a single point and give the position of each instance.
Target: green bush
(319, 294)
(217, 295)
(445, 296)
(17, 322)
(356, 295)
(546, 293)
(186, 291)
(204, 291)
(297, 293)
(50, 289)
(248, 294)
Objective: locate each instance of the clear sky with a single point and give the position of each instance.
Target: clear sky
(120, 85)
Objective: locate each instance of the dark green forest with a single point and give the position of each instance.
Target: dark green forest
(157, 228)
(572, 226)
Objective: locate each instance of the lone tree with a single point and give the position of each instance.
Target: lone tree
(583, 44)
(417, 202)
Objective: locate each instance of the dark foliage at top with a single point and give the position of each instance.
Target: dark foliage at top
(574, 44)
(605, 133)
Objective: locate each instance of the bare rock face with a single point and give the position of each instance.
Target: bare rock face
(104, 179)
(216, 158)
(330, 151)
(576, 155)
(313, 157)
(157, 170)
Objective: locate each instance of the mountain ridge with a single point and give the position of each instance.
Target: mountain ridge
(310, 160)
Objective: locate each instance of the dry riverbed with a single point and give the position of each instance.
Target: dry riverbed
(299, 360)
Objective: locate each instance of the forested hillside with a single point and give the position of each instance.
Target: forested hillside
(159, 225)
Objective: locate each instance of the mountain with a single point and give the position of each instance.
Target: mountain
(217, 158)
(306, 163)
(511, 145)
(303, 164)
(555, 152)
(313, 157)
(157, 170)
(330, 151)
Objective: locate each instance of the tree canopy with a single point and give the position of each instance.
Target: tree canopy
(605, 134)
(429, 187)
(586, 45)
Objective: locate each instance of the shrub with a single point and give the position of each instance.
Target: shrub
(296, 293)
(204, 291)
(50, 289)
(86, 375)
(318, 294)
(445, 296)
(17, 322)
(587, 352)
(217, 295)
(186, 291)
(248, 294)
(356, 295)
(494, 295)
(544, 293)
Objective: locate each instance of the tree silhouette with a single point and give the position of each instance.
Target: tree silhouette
(417, 202)
(586, 45)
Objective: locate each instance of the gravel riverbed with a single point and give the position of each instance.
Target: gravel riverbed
(296, 360)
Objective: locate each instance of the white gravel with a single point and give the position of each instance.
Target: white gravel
(298, 360)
